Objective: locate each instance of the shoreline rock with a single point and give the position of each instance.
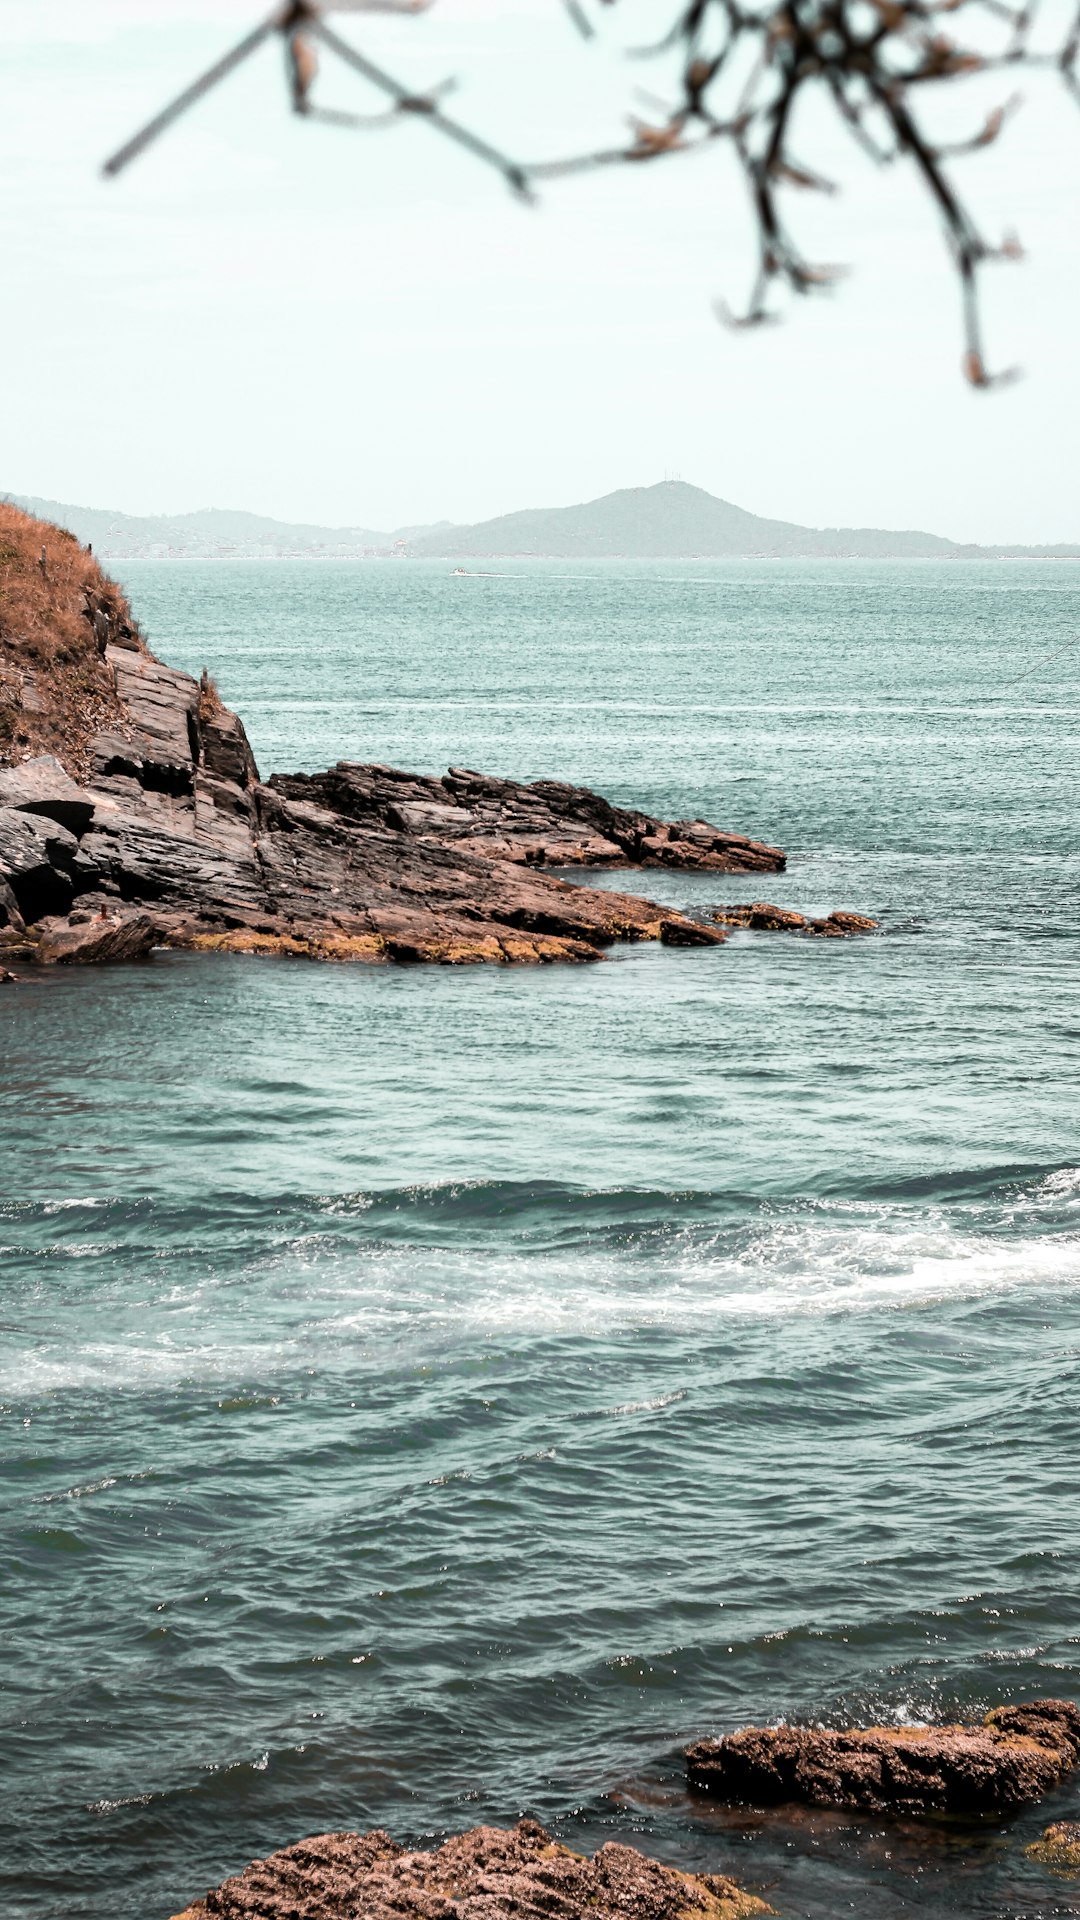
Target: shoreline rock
(1011, 1758)
(146, 802)
(489, 1873)
(1058, 1848)
(759, 917)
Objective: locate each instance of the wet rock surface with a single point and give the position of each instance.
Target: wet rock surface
(1058, 1848)
(759, 917)
(1008, 1760)
(486, 1874)
(362, 862)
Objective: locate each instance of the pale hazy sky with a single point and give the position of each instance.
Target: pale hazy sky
(365, 329)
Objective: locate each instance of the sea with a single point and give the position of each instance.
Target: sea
(434, 1395)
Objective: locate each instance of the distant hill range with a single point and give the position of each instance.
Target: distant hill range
(669, 521)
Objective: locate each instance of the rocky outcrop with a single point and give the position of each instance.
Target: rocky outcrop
(1014, 1756)
(486, 1874)
(547, 823)
(760, 917)
(85, 938)
(148, 807)
(1058, 1848)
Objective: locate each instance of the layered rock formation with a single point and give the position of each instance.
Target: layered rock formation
(1014, 1756)
(486, 1874)
(134, 813)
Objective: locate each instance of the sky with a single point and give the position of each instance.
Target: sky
(365, 329)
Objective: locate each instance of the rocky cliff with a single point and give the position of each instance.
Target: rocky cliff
(132, 814)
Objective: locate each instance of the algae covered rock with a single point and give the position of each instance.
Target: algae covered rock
(1012, 1757)
(489, 1873)
(760, 916)
(1059, 1847)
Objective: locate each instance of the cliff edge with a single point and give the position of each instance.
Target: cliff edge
(132, 814)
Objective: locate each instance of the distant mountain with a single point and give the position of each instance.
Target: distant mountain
(669, 521)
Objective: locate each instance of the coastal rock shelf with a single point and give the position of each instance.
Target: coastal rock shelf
(486, 1874)
(547, 823)
(1011, 1758)
(136, 816)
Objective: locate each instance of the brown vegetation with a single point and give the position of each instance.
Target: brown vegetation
(210, 700)
(56, 690)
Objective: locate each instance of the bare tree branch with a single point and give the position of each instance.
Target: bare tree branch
(745, 66)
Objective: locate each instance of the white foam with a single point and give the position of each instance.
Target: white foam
(322, 1308)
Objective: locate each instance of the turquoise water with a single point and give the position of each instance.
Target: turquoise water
(433, 1395)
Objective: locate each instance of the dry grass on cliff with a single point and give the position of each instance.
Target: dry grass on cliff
(56, 691)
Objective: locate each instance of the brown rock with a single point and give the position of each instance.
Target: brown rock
(84, 940)
(840, 926)
(486, 1874)
(1059, 1847)
(678, 932)
(760, 917)
(1012, 1757)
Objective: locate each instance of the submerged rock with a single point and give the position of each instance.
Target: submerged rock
(1014, 1756)
(1059, 1847)
(487, 1874)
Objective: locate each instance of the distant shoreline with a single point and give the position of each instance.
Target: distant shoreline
(1036, 556)
(670, 521)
